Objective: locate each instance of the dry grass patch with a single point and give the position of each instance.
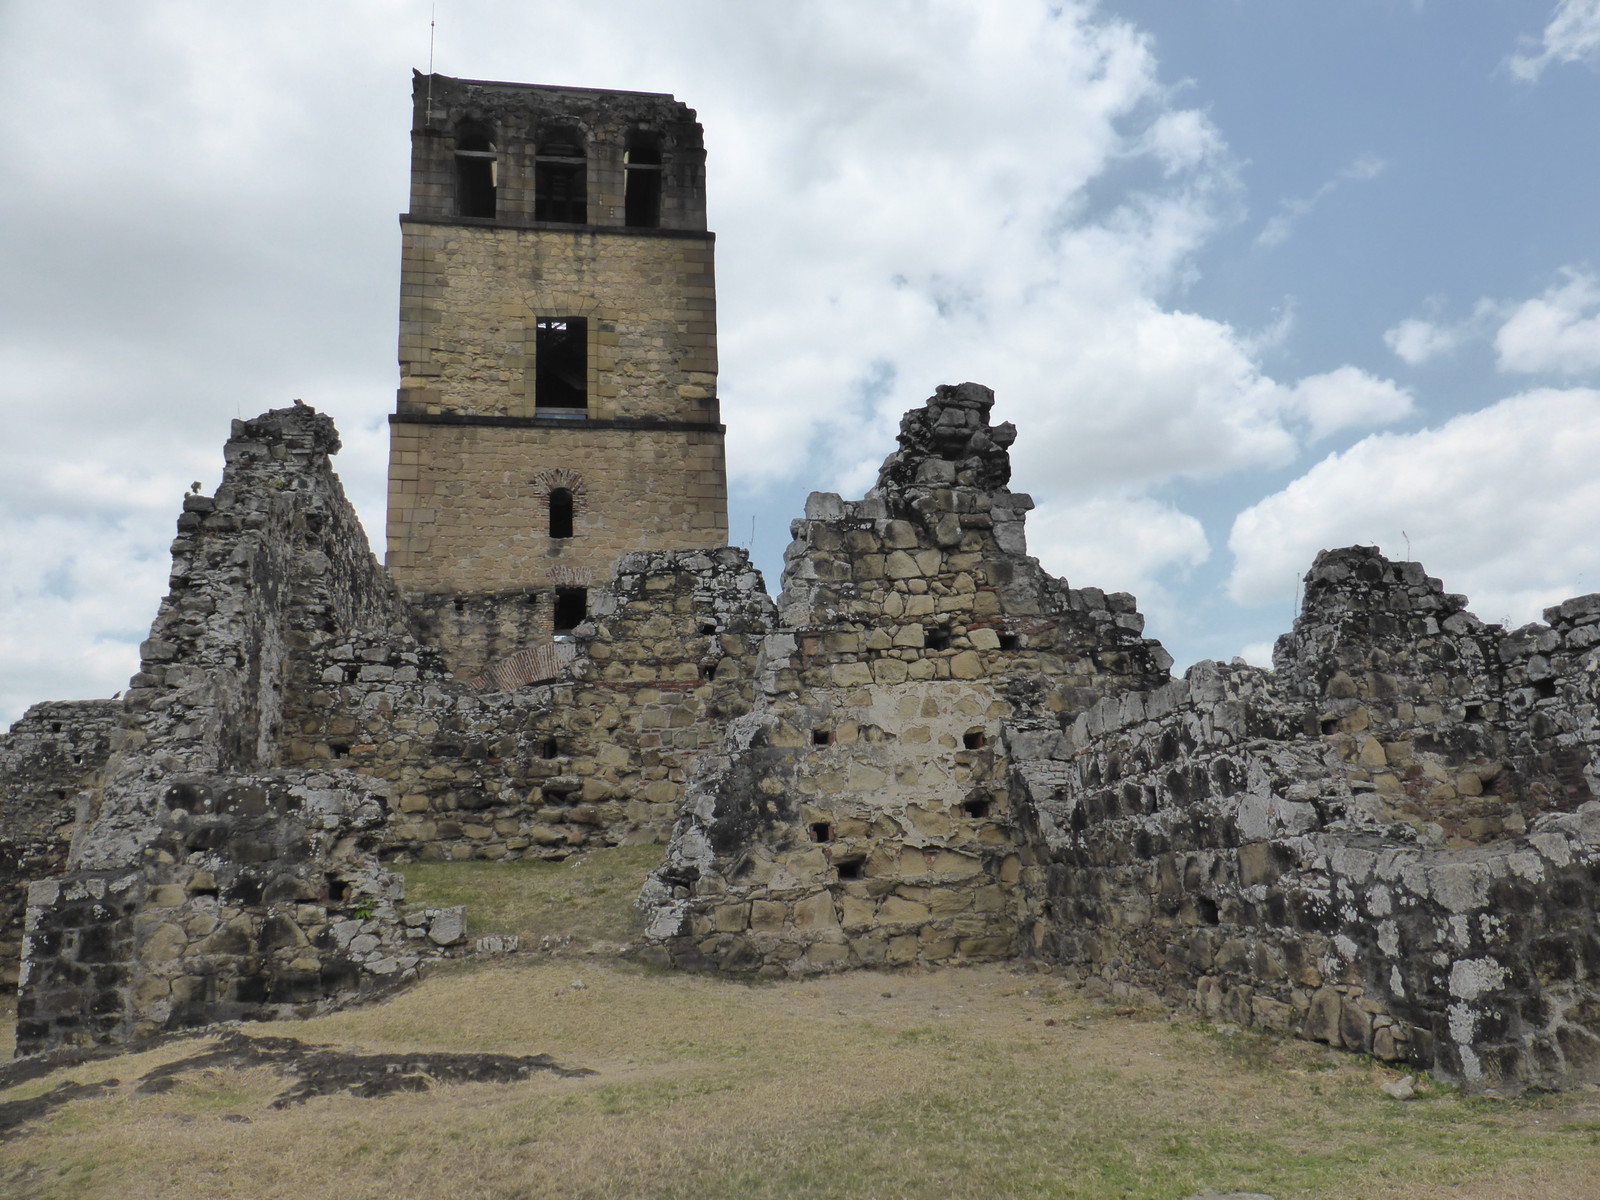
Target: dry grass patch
(928, 1084)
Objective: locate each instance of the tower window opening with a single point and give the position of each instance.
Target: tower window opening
(560, 513)
(561, 364)
(560, 170)
(572, 606)
(641, 170)
(477, 174)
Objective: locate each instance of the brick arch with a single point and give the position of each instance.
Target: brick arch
(559, 477)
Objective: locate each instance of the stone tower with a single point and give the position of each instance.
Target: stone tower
(557, 405)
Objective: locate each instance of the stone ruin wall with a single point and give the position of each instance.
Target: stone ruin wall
(287, 732)
(859, 815)
(928, 751)
(1385, 845)
(44, 763)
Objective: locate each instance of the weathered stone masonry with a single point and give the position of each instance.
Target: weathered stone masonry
(927, 751)
(1387, 844)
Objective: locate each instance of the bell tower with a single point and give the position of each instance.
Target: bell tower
(558, 359)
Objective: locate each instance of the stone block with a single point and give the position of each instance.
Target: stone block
(816, 913)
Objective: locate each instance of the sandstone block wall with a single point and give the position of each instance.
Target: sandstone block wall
(469, 507)
(471, 296)
(859, 814)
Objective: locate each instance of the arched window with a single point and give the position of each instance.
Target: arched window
(641, 168)
(477, 170)
(560, 176)
(560, 513)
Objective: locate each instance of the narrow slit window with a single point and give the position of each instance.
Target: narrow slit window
(549, 748)
(560, 177)
(560, 513)
(477, 174)
(641, 169)
(572, 606)
(561, 365)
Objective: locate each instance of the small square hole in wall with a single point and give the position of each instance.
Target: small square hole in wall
(1544, 688)
(338, 889)
(821, 831)
(549, 748)
(1330, 725)
(936, 639)
(822, 737)
(1008, 641)
(978, 808)
(973, 739)
(340, 749)
(1474, 712)
(851, 868)
(708, 671)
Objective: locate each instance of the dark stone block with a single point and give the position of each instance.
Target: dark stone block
(251, 850)
(277, 931)
(245, 801)
(340, 975)
(294, 987)
(98, 944)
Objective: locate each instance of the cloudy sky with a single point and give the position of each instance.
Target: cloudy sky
(1251, 277)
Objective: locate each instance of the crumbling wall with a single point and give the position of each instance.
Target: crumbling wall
(203, 879)
(1459, 728)
(1304, 850)
(287, 730)
(596, 757)
(47, 759)
(858, 815)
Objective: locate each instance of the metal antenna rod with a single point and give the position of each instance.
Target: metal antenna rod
(427, 115)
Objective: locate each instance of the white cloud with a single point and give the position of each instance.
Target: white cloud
(1278, 228)
(1498, 503)
(1348, 398)
(1573, 35)
(1557, 332)
(1118, 543)
(1416, 341)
